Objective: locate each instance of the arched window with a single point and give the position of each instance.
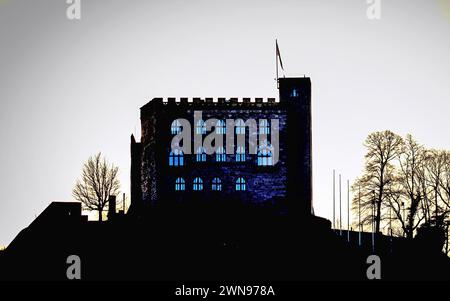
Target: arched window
(240, 184)
(201, 154)
(240, 154)
(198, 184)
(240, 127)
(180, 184)
(216, 184)
(175, 128)
(265, 157)
(201, 128)
(176, 158)
(264, 127)
(221, 128)
(221, 156)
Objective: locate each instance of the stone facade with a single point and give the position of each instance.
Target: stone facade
(286, 185)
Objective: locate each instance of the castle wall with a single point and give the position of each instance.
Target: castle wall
(288, 184)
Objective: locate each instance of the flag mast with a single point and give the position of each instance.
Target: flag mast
(276, 60)
(278, 57)
(334, 200)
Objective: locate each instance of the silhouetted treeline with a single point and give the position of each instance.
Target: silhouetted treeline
(404, 189)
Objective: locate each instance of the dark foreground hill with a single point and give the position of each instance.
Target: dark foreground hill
(208, 243)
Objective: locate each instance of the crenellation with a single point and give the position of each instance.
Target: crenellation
(215, 101)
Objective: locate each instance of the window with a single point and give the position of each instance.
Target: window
(294, 93)
(265, 156)
(201, 128)
(240, 154)
(201, 154)
(221, 155)
(240, 184)
(176, 158)
(216, 184)
(221, 128)
(198, 184)
(175, 128)
(240, 127)
(264, 127)
(180, 184)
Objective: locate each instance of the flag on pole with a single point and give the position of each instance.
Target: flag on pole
(279, 55)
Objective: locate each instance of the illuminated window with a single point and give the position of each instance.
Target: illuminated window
(264, 127)
(198, 184)
(175, 128)
(240, 184)
(176, 158)
(201, 128)
(240, 154)
(265, 157)
(294, 93)
(240, 127)
(221, 127)
(221, 155)
(201, 154)
(180, 184)
(216, 184)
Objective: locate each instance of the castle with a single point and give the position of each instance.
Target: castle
(239, 215)
(162, 176)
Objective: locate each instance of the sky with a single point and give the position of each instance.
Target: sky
(72, 88)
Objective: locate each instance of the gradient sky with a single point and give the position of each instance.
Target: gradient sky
(69, 89)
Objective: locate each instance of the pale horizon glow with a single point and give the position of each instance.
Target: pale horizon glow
(70, 89)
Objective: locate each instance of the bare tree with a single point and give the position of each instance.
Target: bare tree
(424, 188)
(363, 203)
(437, 164)
(377, 181)
(405, 201)
(438, 167)
(444, 183)
(99, 180)
(404, 184)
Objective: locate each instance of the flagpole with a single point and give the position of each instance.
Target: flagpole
(359, 212)
(334, 201)
(276, 60)
(340, 206)
(348, 210)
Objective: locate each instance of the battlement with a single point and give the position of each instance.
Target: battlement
(216, 100)
(213, 101)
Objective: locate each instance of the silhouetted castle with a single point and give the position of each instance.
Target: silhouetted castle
(160, 176)
(240, 216)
